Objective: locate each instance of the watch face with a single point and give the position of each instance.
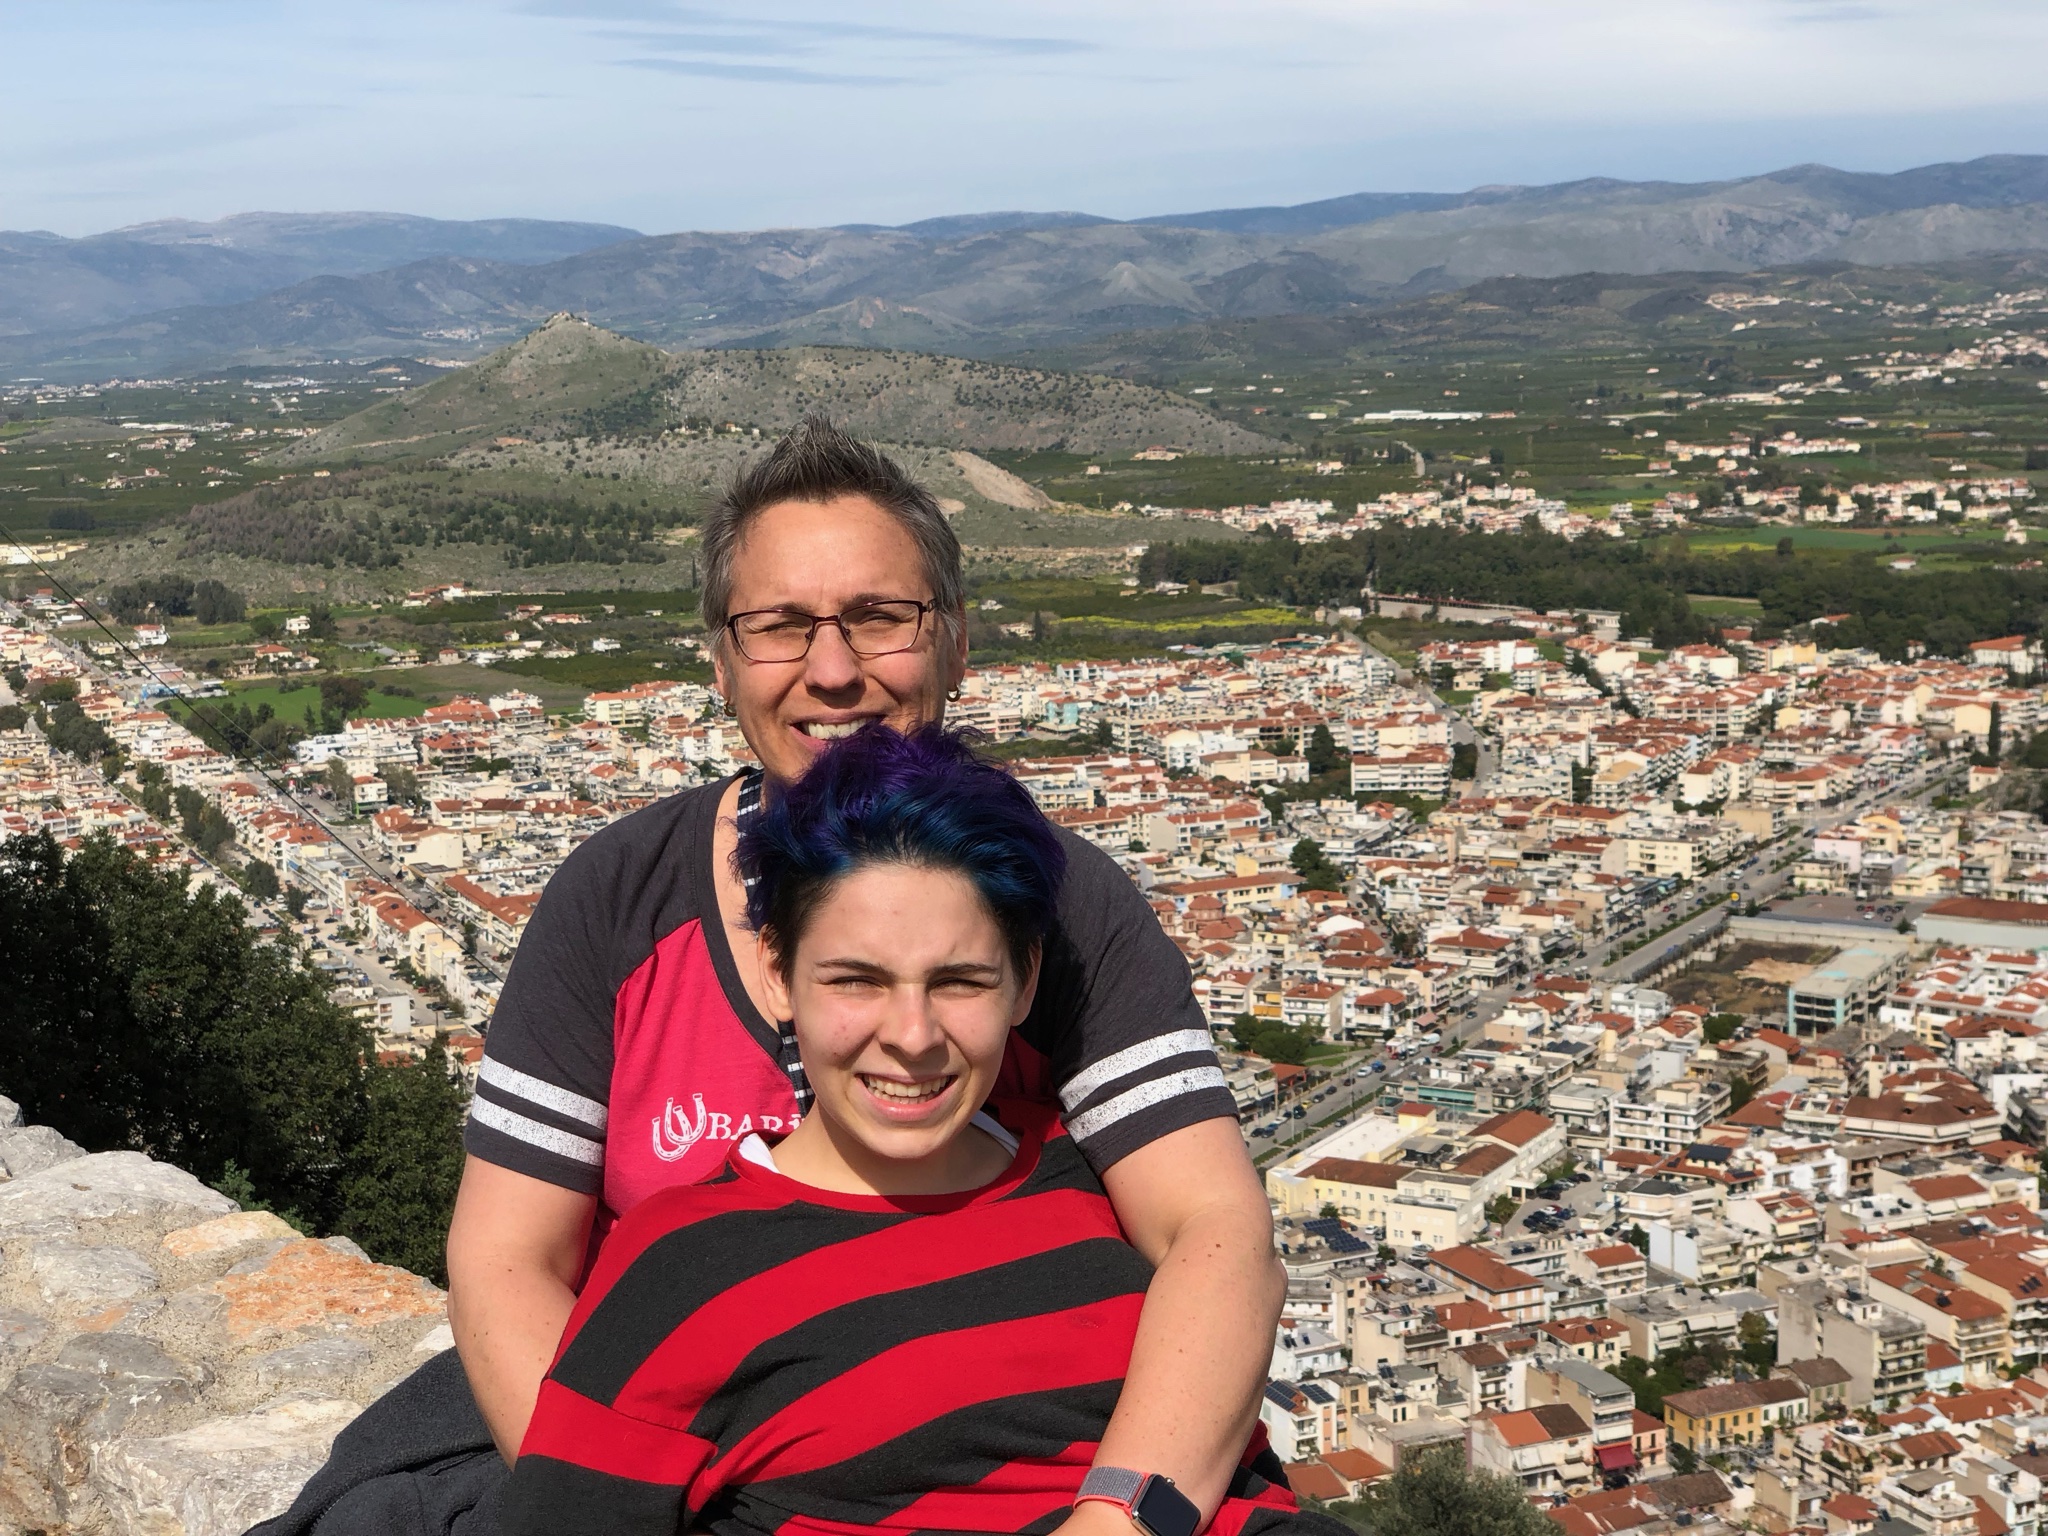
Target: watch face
(1164, 1510)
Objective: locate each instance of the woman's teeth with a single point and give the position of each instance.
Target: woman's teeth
(906, 1093)
(835, 730)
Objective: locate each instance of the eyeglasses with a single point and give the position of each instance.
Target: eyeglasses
(869, 629)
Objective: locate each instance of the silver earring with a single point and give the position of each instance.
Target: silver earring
(953, 693)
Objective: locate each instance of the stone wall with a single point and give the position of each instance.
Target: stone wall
(175, 1366)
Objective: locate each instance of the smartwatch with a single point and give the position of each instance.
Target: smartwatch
(1155, 1506)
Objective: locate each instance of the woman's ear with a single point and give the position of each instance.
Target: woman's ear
(1028, 990)
(773, 984)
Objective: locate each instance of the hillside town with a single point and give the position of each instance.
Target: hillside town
(1780, 1267)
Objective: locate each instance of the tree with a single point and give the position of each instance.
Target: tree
(404, 1170)
(76, 734)
(1322, 754)
(202, 822)
(1464, 760)
(1274, 1041)
(1500, 1210)
(342, 695)
(141, 1014)
(215, 603)
(403, 785)
(1721, 1026)
(1996, 735)
(260, 880)
(1434, 1494)
(341, 783)
(1314, 866)
(1759, 1343)
(151, 597)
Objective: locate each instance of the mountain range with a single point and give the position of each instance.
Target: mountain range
(265, 288)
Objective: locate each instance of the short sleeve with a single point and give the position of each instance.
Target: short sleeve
(539, 1107)
(1131, 1054)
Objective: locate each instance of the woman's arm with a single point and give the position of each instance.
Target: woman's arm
(515, 1249)
(1191, 1203)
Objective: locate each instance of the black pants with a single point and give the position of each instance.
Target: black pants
(417, 1462)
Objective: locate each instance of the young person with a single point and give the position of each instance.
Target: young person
(914, 1310)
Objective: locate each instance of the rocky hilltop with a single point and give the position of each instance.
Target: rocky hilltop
(173, 1365)
(569, 379)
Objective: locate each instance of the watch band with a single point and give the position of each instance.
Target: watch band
(1118, 1485)
(1155, 1506)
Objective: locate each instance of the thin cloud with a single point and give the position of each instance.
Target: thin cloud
(756, 45)
(781, 74)
(736, 31)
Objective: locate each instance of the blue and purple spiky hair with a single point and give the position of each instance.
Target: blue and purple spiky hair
(924, 799)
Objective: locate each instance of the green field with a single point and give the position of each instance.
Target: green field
(1731, 607)
(1871, 541)
(289, 700)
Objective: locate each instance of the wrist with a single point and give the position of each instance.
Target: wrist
(1097, 1517)
(1148, 1503)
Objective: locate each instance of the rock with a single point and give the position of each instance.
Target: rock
(260, 1259)
(79, 1277)
(170, 1313)
(317, 1361)
(31, 1149)
(20, 1333)
(224, 1234)
(307, 1284)
(142, 1381)
(220, 1477)
(55, 1419)
(45, 1445)
(123, 1190)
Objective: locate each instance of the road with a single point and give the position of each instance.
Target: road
(355, 837)
(1751, 879)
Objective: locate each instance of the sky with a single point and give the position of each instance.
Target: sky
(667, 116)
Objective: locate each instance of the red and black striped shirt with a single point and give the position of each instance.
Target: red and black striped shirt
(754, 1355)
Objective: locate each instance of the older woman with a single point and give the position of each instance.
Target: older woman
(634, 1045)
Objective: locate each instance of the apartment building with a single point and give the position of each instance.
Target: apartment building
(1668, 1119)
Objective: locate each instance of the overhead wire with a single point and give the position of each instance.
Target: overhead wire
(226, 731)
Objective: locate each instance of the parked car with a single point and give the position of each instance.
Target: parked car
(1379, 1066)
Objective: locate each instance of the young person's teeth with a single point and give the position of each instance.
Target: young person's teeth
(905, 1093)
(832, 732)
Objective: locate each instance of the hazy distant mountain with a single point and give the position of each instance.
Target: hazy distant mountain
(48, 283)
(991, 284)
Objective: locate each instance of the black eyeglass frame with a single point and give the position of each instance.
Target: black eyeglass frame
(838, 621)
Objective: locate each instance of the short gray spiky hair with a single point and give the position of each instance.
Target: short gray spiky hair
(818, 462)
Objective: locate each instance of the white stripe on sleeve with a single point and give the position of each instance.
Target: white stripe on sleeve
(1144, 1096)
(521, 1085)
(1075, 1090)
(567, 1144)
